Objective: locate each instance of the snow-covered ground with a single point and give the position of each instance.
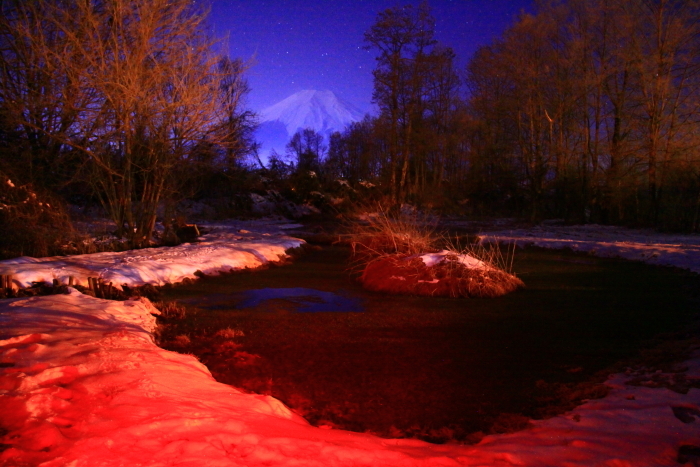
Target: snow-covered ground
(83, 384)
(230, 246)
(682, 251)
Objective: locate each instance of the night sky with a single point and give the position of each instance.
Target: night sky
(295, 44)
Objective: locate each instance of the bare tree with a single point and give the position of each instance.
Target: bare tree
(138, 91)
(402, 36)
(307, 149)
(667, 67)
(356, 154)
(239, 123)
(594, 104)
(40, 104)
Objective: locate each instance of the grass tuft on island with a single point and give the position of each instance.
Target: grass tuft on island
(403, 253)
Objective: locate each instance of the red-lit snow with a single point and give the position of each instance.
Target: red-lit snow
(83, 384)
(227, 247)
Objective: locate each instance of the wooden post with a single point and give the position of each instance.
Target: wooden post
(70, 281)
(6, 281)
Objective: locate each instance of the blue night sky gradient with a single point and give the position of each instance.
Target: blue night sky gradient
(294, 45)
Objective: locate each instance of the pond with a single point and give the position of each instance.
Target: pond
(437, 369)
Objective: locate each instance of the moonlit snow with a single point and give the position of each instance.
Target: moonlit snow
(682, 251)
(321, 111)
(432, 259)
(83, 384)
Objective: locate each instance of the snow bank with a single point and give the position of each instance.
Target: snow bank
(681, 251)
(83, 384)
(227, 248)
(88, 387)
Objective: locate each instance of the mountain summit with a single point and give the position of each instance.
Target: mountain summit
(320, 110)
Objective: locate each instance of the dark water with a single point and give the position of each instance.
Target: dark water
(432, 368)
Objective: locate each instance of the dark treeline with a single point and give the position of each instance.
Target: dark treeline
(587, 111)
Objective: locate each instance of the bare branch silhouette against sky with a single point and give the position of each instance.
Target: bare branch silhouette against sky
(302, 44)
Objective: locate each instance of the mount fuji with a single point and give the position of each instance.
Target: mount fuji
(321, 111)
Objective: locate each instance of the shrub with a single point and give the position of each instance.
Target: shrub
(32, 224)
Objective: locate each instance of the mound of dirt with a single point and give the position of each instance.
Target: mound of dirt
(446, 276)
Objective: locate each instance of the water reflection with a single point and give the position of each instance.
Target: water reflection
(307, 300)
(301, 299)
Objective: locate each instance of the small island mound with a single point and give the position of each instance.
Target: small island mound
(401, 254)
(444, 274)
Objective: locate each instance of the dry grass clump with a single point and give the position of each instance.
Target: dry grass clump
(182, 340)
(380, 234)
(229, 333)
(171, 310)
(167, 313)
(388, 252)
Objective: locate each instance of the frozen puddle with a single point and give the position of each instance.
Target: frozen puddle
(301, 299)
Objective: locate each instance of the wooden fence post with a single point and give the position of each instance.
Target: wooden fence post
(6, 281)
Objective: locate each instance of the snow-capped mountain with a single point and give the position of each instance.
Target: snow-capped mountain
(319, 110)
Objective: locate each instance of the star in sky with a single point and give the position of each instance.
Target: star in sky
(293, 45)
